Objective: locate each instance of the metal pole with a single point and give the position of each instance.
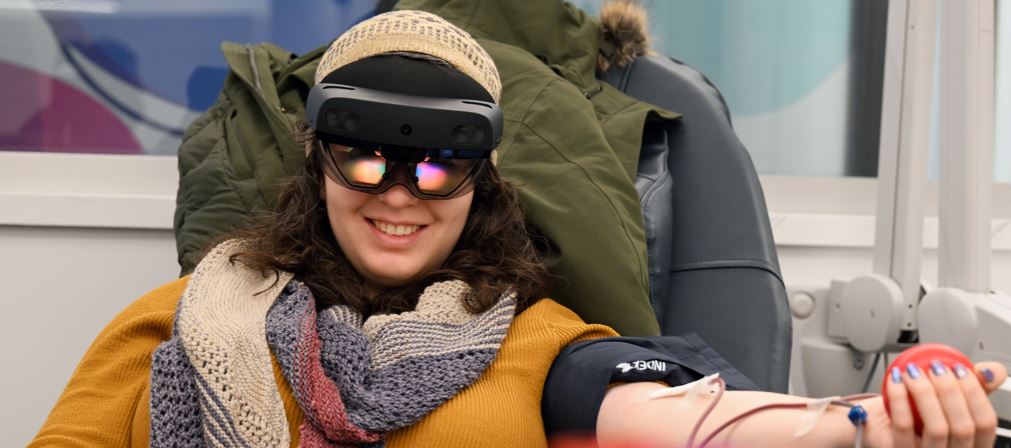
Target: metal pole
(966, 143)
(905, 134)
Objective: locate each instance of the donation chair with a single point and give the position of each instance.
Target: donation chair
(713, 268)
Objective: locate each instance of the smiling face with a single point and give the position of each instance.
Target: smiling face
(394, 238)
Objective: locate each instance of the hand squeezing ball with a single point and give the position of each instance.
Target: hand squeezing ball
(922, 355)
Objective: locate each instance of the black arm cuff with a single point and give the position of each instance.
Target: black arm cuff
(579, 377)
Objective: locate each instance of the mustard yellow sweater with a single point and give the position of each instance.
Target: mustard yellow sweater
(106, 402)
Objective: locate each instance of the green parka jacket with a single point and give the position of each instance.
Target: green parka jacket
(570, 142)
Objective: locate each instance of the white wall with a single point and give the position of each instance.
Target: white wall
(61, 286)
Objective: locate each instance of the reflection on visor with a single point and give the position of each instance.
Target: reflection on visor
(367, 168)
(432, 176)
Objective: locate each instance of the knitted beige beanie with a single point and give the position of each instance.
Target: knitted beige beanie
(418, 32)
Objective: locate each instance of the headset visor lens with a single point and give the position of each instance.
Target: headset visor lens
(361, 167)
(371, 168)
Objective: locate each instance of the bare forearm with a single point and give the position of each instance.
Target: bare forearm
(627, 415)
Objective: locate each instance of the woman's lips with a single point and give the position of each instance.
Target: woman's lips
(395, 229)
(395, 234)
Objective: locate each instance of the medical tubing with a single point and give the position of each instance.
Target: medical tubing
(844, 401)
(858, 416)
(721, 386)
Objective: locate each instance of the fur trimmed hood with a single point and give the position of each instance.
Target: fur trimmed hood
(625, 25)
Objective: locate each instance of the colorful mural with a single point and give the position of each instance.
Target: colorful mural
(127, 77)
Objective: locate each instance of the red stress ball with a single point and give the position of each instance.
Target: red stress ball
(922, 355)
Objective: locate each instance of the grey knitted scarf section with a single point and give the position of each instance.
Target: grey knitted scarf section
(355, 379)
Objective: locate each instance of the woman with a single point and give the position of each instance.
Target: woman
(380, 303)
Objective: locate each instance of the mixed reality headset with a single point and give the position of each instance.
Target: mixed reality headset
(370, 140)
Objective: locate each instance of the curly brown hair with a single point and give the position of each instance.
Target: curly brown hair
(496, 251)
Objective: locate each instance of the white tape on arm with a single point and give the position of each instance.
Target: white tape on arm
(691, 391)
(809, 420)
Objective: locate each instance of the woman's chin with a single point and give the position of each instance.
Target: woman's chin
(393, 278)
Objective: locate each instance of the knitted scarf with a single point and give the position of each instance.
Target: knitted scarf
(355, 379)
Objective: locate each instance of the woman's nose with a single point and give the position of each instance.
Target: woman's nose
(398, 196)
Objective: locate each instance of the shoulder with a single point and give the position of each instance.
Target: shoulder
(164, 297)
(151, 314)
(552, 320)
(155, 303)
(540, 332)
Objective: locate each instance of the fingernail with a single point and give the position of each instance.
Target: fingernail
(937, 368)
(914, 372)
(987, 374)
(896, 375)
(961, 371)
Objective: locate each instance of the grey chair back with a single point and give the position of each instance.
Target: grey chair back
(712, 260)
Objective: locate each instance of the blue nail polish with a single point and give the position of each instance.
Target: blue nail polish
(896, 375)
(937, 368)
(987, 374)
(914, 372)
(961, 371)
